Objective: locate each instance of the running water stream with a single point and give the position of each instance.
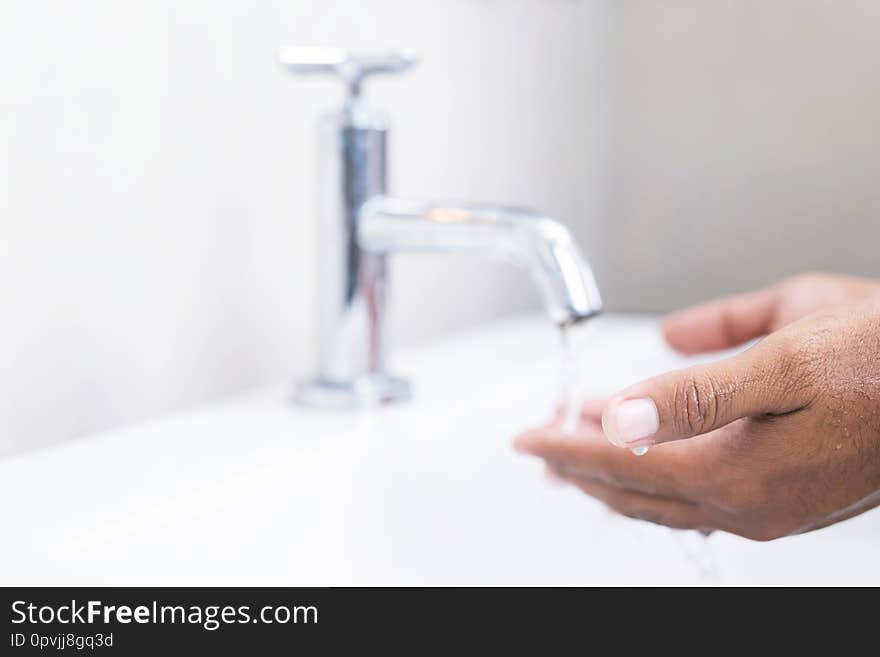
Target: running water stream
(574, 342)
(572, 346)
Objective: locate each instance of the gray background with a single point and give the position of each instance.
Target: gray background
(745, 145)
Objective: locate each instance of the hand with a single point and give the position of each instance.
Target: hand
(731, 321)
(780, 439)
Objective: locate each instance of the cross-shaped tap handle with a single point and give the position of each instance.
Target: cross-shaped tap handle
(351, 68)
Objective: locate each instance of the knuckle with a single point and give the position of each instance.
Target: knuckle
(696, 404)
(800, 353)
(799, 363)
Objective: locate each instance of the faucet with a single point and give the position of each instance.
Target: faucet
(361, 226)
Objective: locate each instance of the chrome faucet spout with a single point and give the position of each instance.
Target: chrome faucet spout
(538, 243)
(361, 226)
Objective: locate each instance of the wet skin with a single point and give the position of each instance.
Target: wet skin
(779, 439)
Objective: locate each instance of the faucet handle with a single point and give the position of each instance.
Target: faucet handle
(352, 68)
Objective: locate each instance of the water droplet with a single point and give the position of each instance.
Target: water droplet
(639, 451)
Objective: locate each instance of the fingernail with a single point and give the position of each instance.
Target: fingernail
(631, 421)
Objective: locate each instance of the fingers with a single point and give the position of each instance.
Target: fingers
(663, 472)
(700, 399)
(722, 323)
(591, 410)
(633, 504)
(662, 487)
(590, 415)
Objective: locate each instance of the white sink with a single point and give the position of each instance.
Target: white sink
(258, 491)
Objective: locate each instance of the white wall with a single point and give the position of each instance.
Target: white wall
(745, 145)
(156, 184)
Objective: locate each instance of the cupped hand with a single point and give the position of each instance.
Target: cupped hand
(779, 439)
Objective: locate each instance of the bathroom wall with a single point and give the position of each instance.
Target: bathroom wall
(745, 145)
(156, 184)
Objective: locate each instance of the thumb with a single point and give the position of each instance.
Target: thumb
(700, 399)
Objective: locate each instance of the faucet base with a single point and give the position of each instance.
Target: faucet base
(368, 392)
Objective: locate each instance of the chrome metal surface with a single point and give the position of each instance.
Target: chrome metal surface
(361, 226)
(540, 244)
(352, 68)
